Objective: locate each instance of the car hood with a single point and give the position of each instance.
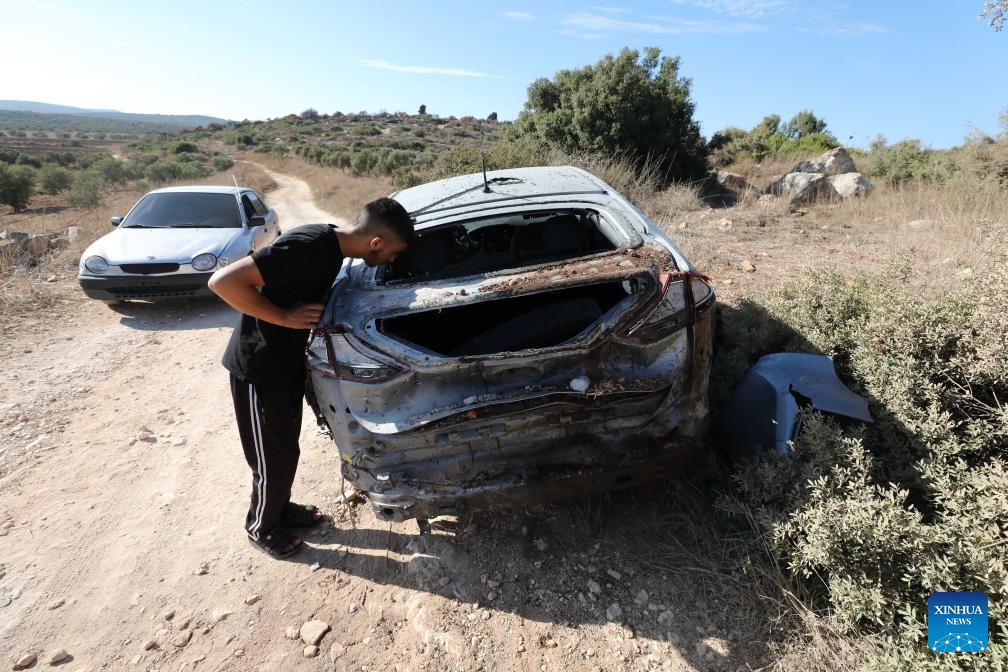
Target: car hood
(126, 245)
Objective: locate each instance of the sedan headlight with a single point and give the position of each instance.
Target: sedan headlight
(204, 262)
(96, 264)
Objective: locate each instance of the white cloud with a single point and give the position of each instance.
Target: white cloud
(518, 16)
(671, 26)
(424, 70)
(751, 9)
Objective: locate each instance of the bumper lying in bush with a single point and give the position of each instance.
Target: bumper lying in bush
(126, 287)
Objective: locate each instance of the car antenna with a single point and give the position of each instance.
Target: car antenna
(486, 185)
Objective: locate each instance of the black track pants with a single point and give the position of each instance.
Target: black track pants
(269, 422)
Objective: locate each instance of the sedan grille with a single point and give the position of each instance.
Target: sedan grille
(148, 269)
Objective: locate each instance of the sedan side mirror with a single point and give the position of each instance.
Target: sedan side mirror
(257, 221)
(116, 221)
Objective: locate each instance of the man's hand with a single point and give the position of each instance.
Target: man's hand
(304, 316)
(239, 283)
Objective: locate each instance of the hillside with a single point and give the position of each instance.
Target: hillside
(19, 117)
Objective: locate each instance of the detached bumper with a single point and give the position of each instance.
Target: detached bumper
(126, 287)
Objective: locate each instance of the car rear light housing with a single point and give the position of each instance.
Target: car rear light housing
(338, 354)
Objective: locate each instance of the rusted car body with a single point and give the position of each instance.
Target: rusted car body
(540, 338)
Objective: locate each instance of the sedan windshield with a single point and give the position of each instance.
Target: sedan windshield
(185, 210)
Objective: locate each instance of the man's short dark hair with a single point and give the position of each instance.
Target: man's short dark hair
(389, 213)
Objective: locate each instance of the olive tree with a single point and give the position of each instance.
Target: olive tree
(995, 12)
(630, 104)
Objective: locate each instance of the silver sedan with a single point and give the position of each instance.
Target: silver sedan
(172, 240)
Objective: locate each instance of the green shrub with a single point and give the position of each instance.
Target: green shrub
(54, 178)
(161, 172)
(901, 162)
(184, 148)
(113, 170)
(17, 184)
(193, 170)
(222, 162)
(878, 518)
(88, 189)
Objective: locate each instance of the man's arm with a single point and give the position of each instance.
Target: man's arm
(238, 285)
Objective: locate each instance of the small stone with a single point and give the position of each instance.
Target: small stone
(58, 656)
(180, 441)
(642, 597)
(182, 638)
(491, 596)
(145, 436)
(594, 587)
(313, 631)
(56, 605)
(238, 653)
(170, 614)
(51, 278)
(314, 566)
(149, 644)
(521, 647)
(204, 568)
(701, 649)
(613, 612)
(136, 659)
(629, 632)
(218, 615)
(25, 661)
(336, 651)
(580, 384)
(310, 651)
(252, 599)
(292, 632)
(614, 574)
(665, 619)
(492, 584)
(748, 266)
(353, 609)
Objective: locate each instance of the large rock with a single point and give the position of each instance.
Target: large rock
(733, 182)
(850, 184)
(37, 245)
(313, 631)
(834, 162)
(803, 188)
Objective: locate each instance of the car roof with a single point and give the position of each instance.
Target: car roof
(467, 191)
(201, 189)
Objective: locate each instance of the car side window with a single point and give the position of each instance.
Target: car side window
(247, 206)
(259, 206)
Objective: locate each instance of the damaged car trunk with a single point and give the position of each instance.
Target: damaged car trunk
(539, 320)
(538, 341)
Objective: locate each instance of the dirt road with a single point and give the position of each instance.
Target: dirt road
(123, 489)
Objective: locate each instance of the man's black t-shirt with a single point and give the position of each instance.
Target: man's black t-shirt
(299, 267)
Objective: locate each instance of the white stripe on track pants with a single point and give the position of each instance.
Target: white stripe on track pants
(269, 423)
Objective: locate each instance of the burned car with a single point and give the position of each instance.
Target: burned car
(540, 338)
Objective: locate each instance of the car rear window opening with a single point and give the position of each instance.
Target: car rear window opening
(518, 323)
(509, 241)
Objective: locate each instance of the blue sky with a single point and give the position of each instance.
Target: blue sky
(927, 70)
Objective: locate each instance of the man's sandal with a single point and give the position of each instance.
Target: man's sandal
(301, 515)
(278, 543)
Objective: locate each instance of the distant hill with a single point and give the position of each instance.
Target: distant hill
(175, 120)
